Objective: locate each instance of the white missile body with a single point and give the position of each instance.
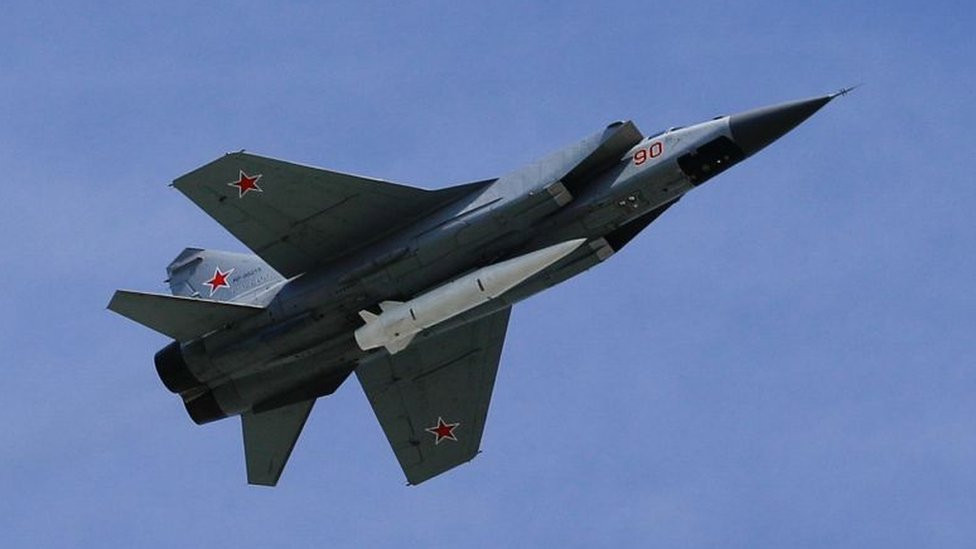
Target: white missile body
(399, 322)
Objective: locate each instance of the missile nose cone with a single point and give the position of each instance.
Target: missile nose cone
(753, 130)
(571, 245)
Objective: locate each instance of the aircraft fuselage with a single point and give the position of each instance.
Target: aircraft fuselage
(302, 346)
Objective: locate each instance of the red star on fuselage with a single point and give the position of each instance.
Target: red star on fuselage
(218, 281)
(246, 183)
(443, 431)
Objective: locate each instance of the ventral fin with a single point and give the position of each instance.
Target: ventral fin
(367, 316)
(398, 345)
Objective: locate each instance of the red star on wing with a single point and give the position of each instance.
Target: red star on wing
(218, 281)
(246, 183)
(443, 431)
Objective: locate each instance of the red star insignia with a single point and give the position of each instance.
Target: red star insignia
(218, 281)
(246, 183)
(443, 431)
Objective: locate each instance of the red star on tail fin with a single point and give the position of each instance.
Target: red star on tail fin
(218, 281)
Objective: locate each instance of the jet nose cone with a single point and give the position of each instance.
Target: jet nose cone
(753, 130)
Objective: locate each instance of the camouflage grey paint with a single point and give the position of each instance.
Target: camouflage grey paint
(358, 242)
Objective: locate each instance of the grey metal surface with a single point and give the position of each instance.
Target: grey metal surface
(269, 438)
(753, 130)
(181, 318)
(443, 380)
(246, 278)
(302, 216)
(265, 344)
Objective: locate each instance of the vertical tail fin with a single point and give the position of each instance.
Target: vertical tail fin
(219, 276)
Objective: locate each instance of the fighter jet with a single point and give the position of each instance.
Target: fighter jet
(410, 289)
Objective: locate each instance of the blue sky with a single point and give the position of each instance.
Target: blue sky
(785, 359)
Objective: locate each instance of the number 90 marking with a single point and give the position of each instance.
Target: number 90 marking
(653, 151)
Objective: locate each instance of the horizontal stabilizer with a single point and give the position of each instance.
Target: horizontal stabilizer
(181, 318)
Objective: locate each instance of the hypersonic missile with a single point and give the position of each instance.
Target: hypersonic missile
(399, 322)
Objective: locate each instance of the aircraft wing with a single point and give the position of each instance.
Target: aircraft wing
(269, 438)
(432, 398)
(295, 216)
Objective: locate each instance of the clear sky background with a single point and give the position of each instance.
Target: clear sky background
(785, 359)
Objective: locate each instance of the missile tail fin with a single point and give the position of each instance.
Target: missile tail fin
(367, 316)
(387, 305)
(400, 344)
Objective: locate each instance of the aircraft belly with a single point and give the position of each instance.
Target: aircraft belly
(276, 385)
